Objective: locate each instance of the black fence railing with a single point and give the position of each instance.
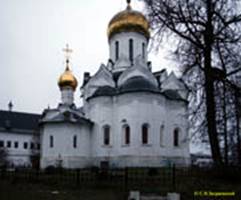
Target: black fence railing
(153, 179)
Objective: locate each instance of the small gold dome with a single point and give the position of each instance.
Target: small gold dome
(67, 79)
(128, 20)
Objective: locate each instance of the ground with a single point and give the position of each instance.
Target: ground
(93, 184)
(10, 191)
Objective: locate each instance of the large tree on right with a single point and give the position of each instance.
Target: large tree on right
(207, 35)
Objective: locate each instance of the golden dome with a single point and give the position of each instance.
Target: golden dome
(128, 20)
(67, 79)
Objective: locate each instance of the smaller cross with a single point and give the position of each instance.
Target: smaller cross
(10, 106)
(67, 52)
(128, 4)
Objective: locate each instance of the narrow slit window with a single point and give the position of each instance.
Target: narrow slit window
(9, 144)
(25, 145)
(15, 145)
(176, 138)
(162, 135)
(75, 141)
(131, 50)
(106, 131)
(143, 50)
(127, 135)
(1, 143)
(31, 145)
(116, 50)
(145, 134)
(51, 141)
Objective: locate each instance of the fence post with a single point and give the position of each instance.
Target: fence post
(36, 175)
(126, 179)
(174, 177)
(78, 177)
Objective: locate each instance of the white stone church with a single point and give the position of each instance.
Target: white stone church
(130, 116)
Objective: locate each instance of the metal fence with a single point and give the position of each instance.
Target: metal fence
(164, 179)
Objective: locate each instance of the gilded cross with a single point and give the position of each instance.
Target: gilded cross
(67, 52)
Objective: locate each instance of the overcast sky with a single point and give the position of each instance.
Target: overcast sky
(33, 34)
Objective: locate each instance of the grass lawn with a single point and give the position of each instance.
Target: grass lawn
(10, 191)
(27, 191)
(21, 186)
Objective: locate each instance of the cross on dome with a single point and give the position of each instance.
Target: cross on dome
(10, 106)
(67, 78)
(128, 4)
(67, 52)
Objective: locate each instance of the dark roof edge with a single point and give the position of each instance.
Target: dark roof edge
(18, 112)
(18, 131)
(136, 91)
(67, 121)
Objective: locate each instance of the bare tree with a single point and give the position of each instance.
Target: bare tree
(35, 151)
(3, 157)
(208, 35)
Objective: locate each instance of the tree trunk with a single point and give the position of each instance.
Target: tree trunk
(211, 117)
(225, 125)
(237, 115)
(209, 89)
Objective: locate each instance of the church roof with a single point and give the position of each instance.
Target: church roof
(136, 78)
(10, 120)
(67, 79)
(70, 115)
(128, 20)
(172, 94)
(104, 91)
(138, 83)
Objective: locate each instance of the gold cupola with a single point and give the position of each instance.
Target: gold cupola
(128, 20)
(67, 79)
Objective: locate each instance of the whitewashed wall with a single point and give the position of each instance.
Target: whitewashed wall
(63, 149)
(17, 156)
(67, 95)
(123, 39)
(136, 109)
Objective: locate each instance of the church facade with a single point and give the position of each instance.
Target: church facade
(130, 116)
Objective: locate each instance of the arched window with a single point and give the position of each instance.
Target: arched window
(162, 135)
(106, 135)
(75, 141)
(131, 50)
(116, 50)
(127, 134)
(51, 141)
(145, 134)
(176, 137)
(143, 50)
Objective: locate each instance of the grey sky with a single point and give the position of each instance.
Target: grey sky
(33, 33)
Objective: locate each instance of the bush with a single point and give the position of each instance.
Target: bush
(50, 169)
(95, 170)
(152, 172)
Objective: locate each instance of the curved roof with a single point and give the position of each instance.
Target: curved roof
(172, 94)
(138, 83)
(67, 79)
(104, 91)
(129, 20)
